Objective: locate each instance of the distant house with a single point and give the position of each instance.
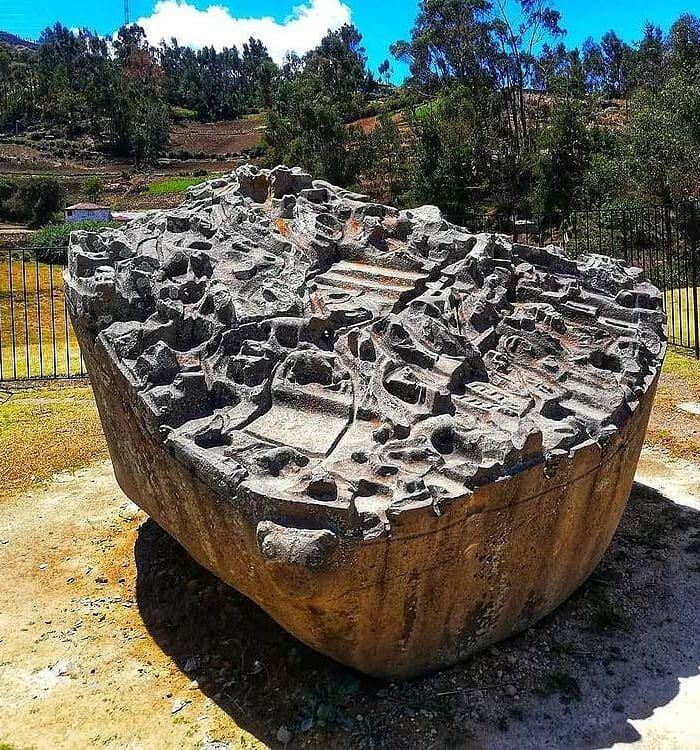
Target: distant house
(82, 211)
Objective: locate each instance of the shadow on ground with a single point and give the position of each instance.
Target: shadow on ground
(613, 652)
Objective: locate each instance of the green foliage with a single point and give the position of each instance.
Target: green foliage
(540, 150)
(216, 85)
(318, 96)
(561, 161)
(91, 187)
(50, 242)
(390, 169)
(73, 82)
(173, 185)
(662, 141)
(34, 200)
(451, 157)
(511, 128)
(181, 114)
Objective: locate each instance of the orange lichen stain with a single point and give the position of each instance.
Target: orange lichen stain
(353, 227)
(281, 226)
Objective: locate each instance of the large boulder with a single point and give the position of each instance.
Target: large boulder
(402, 440)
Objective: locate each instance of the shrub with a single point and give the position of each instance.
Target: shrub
(35, 200)
(91, 187)
(180, 114)
(51, 242)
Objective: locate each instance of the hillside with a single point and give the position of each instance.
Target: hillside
(12, 40)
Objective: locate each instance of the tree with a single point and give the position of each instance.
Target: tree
(648, 69)
(36, 200)
(683, 55)
(385, 71)
(450, 41)
(662, 141)
(593, 66)
(91, 187)
(451, 160)
(389, 168)
(313, 105)
(617, 59)
(561, 161)
(517, 38)
(488, 49)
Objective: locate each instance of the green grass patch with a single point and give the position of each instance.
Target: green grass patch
(174, 185)
(182, 113)
(48, 241)
(683, 365)
(259, 118)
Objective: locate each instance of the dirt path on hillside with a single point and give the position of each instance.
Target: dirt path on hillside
(110, 636)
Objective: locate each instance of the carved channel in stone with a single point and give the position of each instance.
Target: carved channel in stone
(321, 377)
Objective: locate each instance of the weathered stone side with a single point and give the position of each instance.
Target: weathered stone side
(403, 441)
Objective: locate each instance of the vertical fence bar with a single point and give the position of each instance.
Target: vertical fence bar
(27, 345)
(688, 278)
(66, 334)
(38, 317)
(2, 356)
(682, 273)
(664, 268)
(671, 269)
(53, 320)
(12, 317)
(695, 245)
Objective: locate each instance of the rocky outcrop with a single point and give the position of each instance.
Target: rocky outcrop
(402, 440)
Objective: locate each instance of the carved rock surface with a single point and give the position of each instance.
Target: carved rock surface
(403, 440)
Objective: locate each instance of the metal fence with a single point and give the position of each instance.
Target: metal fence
(662, 240)
(37, 339)
(36, 335)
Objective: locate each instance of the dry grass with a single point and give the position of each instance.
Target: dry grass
(45, 430)
(36, 337)
(671, 429)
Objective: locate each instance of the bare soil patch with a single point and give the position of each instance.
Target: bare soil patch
(212, 138)
(113, 637)
(671, 428)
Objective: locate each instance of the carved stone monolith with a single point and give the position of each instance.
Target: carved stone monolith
(404, 441)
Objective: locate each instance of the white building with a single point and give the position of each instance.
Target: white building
(82, 211)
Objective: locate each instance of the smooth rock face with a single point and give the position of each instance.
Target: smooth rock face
(402, 440)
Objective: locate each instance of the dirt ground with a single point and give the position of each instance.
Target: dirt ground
(110, 636)
(214, 147)
(223, 137)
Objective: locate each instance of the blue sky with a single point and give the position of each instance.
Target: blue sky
(380, 21)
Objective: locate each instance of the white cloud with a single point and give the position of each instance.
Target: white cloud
(216, 26)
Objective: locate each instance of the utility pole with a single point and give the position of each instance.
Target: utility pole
(126, 12)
